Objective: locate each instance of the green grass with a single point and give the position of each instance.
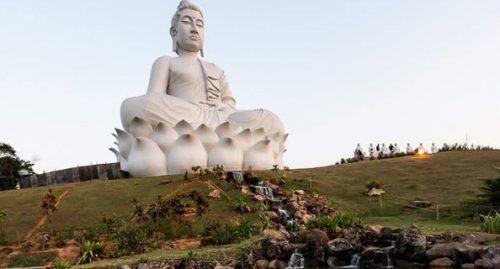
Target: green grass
(32, 259)
(448, 178)
(232, 250)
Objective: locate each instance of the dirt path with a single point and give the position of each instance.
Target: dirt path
(43, 220)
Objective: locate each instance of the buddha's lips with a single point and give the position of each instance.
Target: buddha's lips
(194, 37)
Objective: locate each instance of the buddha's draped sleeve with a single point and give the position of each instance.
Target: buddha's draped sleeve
(226, 95)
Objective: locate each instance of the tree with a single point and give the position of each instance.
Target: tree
(10, 164)
(2, 232)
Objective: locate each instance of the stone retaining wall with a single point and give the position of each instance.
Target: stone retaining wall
(75, 174)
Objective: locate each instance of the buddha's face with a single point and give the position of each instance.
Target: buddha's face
(190, 31)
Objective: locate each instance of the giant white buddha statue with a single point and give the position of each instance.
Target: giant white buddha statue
(191, 89)
(187, 95)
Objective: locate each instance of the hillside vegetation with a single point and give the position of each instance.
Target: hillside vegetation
(449, 179)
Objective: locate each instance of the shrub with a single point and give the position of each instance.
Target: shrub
(221, 235)
(90, 251)
(132, 240)
(61, 265)
(373, 184)
(490, 223)
(241, 204)
(491, 191)
(225, 234)
(335, 223)
(31, 259)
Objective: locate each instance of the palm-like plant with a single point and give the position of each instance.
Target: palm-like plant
(90, 251)
(491, 191)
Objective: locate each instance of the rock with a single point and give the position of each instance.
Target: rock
(335, 262)
(317, 238)
(273, 216)
(305, 218)
(274, 249)
(317, 243)
(291, 208)
(468, 251)
(420, 204)
(277, 264)
(468, 266)
(246, 190)
(125, 267)
(220, 267)
(273, 234)
(491, 259)
(143, 266)
(442, 262)
(409, 264)
(411, 244)
(299, 237)
(376, 192)
(373, 257)
(387, 233)
(258, 198)
(375, 228)
(355, 237)
(478, 263)
(441, 250)
(339, 245)
(214, 194)
(299, 192)
(262, 264)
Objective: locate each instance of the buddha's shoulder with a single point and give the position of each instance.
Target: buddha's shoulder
(212, 68)
(162, 60)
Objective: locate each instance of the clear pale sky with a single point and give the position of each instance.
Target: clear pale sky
(337, 72)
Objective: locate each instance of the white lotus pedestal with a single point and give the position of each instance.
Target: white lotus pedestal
(160, 150)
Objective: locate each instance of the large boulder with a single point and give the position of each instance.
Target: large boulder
(262, 264)
(441, 250)
(468, 251)
(411, 244)
(277, 264)
(442, 262)
(274, 249)
(317, 242)
(355, 237)
(491, 259)
(339, 245)
(374, 257)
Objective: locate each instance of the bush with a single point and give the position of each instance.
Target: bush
(490, 223)
(335, 223)
(90, 251)
(32, 259)
(225, 234)
(373, 184)
(61, 265)
(491, 191)
(132, 240)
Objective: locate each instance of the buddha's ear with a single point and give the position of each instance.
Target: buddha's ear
(173, 34)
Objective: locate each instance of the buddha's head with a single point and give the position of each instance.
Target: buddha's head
(188, 28)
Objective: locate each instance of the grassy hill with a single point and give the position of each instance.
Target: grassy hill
(449, 178)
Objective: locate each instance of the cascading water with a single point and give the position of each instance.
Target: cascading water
(355, 260)
(283, 214)
(266, 192)
(296, 261)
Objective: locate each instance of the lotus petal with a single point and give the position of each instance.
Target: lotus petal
(207, 136)
(260, 156)
(164, 136)
(183, 127)
(225, 130)
(125, 142)
(245, 139)
(187, 152)
(259, 134)
(146, 159)
(226, 152)
(140, 128)
(120, 159)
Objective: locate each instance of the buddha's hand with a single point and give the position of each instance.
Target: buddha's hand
(214, 105)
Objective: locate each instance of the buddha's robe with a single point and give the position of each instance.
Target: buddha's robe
(197, 92)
